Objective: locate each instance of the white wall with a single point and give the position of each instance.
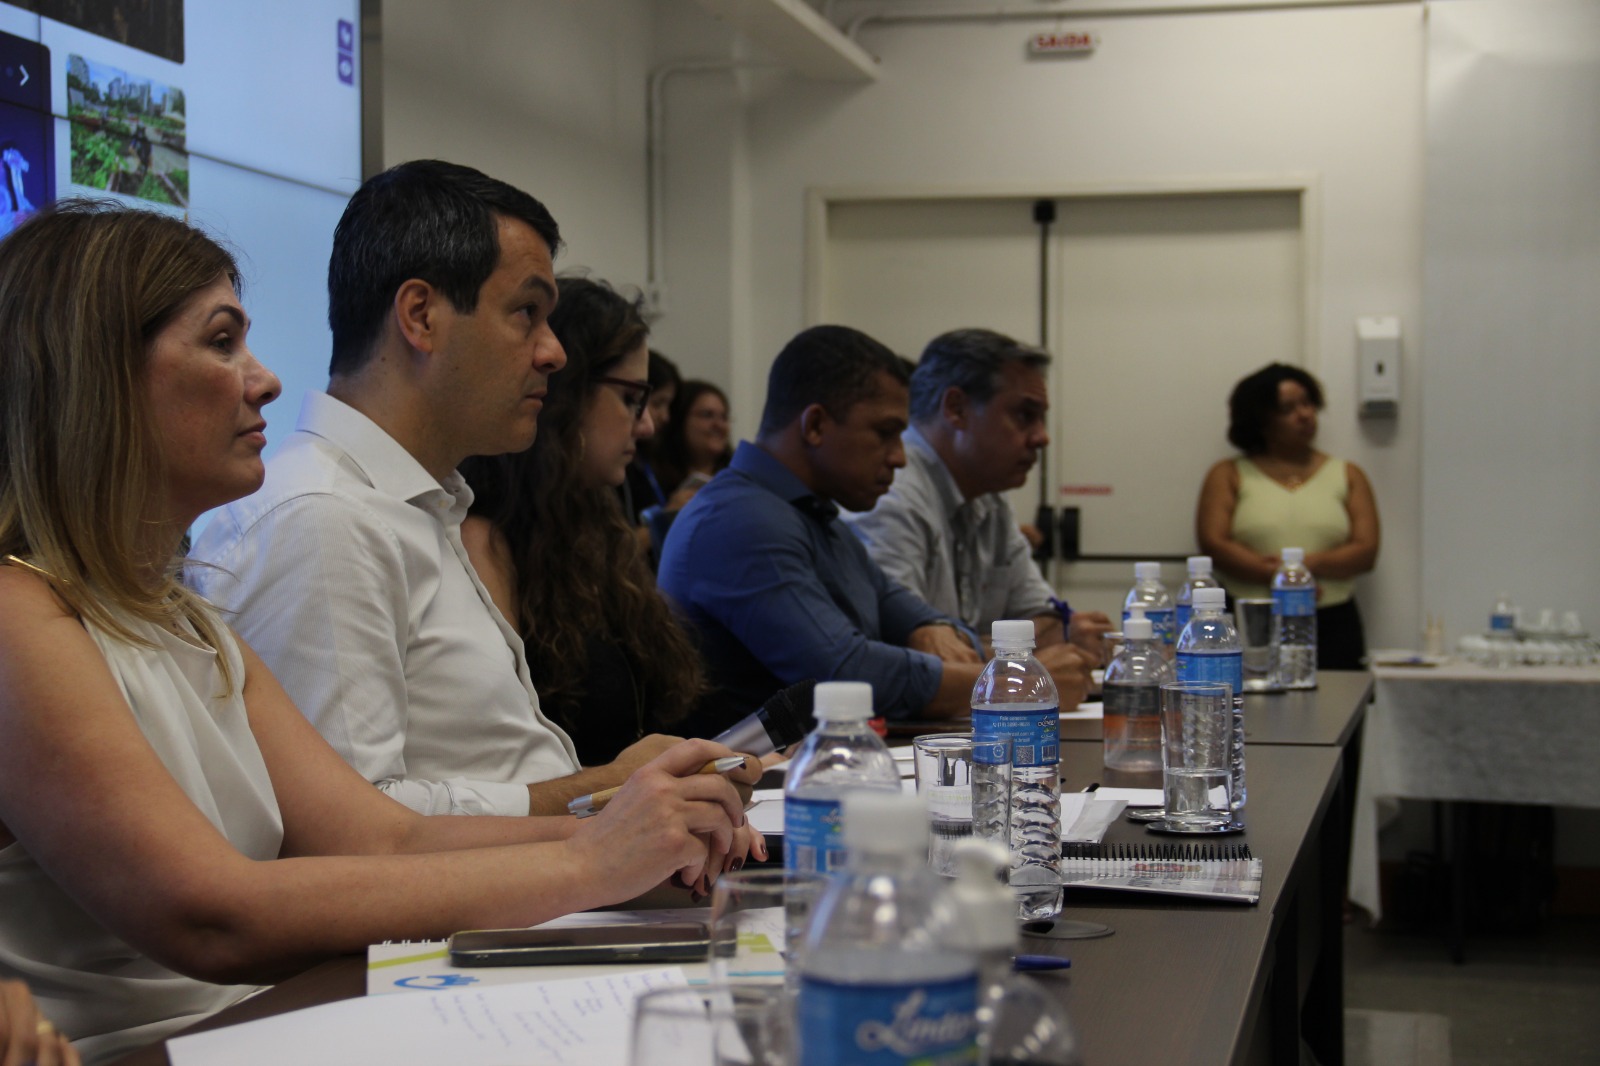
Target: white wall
(1510, 489)
(547, 96)
(1337, 92)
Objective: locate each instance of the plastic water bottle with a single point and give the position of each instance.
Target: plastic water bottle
(1208, 650)
(1015, 697)
(1294, 618)
(879, 980)
(1148, 592)
(1018, 1021)
(842, 754)
(1503, 649)
(1132, 693)
(1200, 577)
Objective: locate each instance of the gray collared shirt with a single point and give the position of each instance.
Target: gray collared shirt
(966, 558)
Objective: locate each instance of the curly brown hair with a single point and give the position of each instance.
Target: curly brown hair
(580, 573)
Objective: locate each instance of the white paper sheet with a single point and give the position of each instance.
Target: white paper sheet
(1085, 816)
(1133, 797)
(582, 1022)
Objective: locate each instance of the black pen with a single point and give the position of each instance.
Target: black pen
(1094, 787)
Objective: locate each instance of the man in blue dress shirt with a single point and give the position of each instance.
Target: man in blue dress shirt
(779, 588)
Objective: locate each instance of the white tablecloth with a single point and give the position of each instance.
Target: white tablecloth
(1467, 732)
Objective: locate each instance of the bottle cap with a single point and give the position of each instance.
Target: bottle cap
(882, 821)
(842, 701)
(986, 908)
(1147, 571)
(1012, 633)
(1292, 556)
(1199, 564)
(1137, 627)
(1210, 599)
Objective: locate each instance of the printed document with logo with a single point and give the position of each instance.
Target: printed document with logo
(579, 1022)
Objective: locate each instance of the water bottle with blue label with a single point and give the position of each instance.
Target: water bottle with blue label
(1294, 617)
(1148, 592)
(1503, 649)
(881, 983)
(842, 754)
(1015, 697)
(1208, 650)
(1200, 577)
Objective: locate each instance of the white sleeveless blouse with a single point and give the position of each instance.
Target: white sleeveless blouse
(100, 991)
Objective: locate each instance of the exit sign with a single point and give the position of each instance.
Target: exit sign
(1053, 44)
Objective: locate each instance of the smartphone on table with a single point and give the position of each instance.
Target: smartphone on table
(666, 942)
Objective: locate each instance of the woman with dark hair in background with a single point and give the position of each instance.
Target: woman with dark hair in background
(609, 661)
(1285, 493)
(642, 490)
(695, 445)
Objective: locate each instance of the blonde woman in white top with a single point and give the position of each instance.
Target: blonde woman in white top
(1285, 493)
(172, 830)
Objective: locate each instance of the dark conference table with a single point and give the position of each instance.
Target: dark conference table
(1181, 981)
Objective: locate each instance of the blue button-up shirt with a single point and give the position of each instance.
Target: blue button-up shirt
(780, 591)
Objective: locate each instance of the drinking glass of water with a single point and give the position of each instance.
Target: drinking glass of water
(967, 790)
(1196, 740)
(713, 1025)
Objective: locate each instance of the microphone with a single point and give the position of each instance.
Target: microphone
(783, 720)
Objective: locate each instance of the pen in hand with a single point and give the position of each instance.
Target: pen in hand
(595, 802)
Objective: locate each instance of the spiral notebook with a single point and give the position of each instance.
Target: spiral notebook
(1200, 871)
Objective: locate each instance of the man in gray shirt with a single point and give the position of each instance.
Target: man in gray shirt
(978, 413)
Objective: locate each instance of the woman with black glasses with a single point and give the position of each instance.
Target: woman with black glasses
(549, 539)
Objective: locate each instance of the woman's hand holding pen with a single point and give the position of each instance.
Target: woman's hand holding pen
(671, 820)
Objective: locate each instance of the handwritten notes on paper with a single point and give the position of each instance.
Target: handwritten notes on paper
(551, 1023)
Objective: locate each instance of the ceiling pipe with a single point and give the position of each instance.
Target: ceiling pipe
(655, 168)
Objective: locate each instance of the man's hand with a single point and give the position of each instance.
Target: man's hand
(948, 643)
(640, 752)
(1088, 631)
(1069, 667)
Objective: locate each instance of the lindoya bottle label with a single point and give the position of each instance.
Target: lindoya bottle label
(813, 835)
(1163, 625)
(1294, 603)
(933, 1024)
(1225, 667)
(1035, 735)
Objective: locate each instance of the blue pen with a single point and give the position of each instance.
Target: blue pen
(1039, 963)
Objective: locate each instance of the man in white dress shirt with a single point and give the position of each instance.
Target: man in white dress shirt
(346, 570)
(978, 407)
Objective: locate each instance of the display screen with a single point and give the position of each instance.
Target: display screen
(243, 116)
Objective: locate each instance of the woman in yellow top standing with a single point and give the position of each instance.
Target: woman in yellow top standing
(1285, 493)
